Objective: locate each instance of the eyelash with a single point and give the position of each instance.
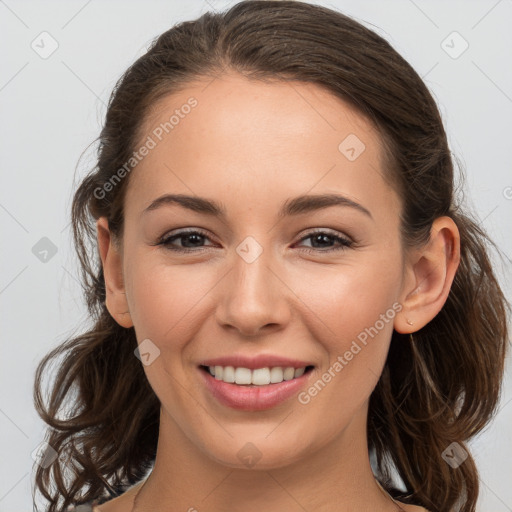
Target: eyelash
(345, 243)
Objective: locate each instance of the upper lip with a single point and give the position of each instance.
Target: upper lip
(253, 362)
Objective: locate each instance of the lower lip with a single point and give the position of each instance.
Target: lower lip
(253, 398)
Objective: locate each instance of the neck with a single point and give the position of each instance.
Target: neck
(335, 476)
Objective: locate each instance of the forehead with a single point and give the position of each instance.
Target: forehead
(231, 137)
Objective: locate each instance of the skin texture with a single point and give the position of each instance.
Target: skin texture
(251, 146)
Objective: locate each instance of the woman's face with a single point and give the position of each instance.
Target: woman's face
(257, 283)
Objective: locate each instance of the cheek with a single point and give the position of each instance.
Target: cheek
(353, 322)
(349, 298)
(350, 310)
(167, 305)
(165, 300)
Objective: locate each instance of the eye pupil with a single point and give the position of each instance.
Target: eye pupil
(187, 237)
(319, 237)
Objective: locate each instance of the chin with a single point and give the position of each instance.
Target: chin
(259, 454)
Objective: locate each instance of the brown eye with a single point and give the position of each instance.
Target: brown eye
(191, 241)
(321, 238)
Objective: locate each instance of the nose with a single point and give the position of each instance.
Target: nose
(254, 297)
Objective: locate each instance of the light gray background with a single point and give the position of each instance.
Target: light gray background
(52, 109)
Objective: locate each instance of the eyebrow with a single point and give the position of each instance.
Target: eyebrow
(295, 206)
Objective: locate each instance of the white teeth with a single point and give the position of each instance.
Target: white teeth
(276, 375)
(228, 374)
(258, 377)
(299, 372)
(218, 372)
(289, 373)
(242, 376)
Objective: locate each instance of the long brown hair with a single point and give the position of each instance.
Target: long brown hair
(438, 387)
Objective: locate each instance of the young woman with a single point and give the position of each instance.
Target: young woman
(291, 311)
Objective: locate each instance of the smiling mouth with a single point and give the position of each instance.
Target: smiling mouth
(256, 378)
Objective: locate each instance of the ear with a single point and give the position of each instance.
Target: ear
(112, 262)
(429, 276)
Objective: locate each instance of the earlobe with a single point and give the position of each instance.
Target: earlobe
(111, 260)
(430, 277)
